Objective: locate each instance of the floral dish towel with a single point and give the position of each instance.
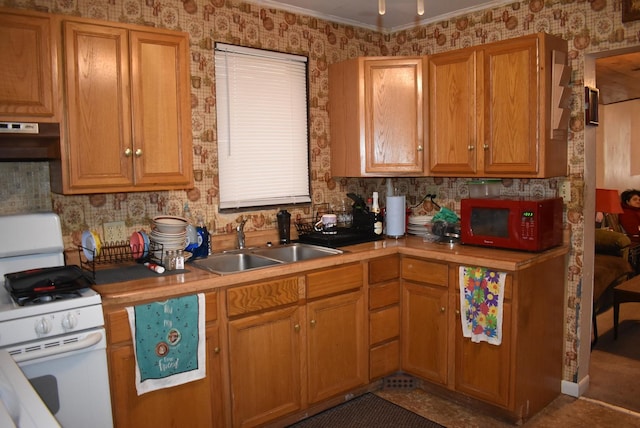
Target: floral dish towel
(481, 297)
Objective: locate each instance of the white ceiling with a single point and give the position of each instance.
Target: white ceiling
(401, 14)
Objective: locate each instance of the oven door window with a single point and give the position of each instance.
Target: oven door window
(47, 388)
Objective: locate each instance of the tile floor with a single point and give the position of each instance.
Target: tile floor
(565, 411)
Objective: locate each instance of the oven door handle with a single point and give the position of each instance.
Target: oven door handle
(87, 342)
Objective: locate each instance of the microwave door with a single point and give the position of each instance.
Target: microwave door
(490, 223)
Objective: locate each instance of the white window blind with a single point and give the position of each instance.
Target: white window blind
(263, 148)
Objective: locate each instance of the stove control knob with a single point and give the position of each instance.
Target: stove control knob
(43, 326)
(69, 321)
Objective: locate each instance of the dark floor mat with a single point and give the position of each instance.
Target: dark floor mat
(367, 411)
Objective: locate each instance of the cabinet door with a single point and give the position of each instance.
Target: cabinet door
(394, 115)
(424, 331)
(265, 366)
(484, 370)
(188, 405)
(161, 110)
(453, 139)
(337, 346)
(509, 79)
(28, 70)
(98, 144)
(214, 374)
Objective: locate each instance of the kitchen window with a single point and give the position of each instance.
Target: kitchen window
(262, 115)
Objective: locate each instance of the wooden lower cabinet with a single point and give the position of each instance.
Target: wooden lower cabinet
(483, 370)
(384, 316)
(194, 404)
(522, 374)
(425, 321)
(336, 345)
(281, 348)
(336, 331)
(265, 366)
(285, 355)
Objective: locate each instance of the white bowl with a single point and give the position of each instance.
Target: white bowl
(170, 224)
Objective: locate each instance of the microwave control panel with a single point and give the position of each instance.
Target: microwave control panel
(527, 225)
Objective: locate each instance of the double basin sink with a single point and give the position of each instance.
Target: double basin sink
(256, 258)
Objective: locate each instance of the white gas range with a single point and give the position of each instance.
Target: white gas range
(59, 341)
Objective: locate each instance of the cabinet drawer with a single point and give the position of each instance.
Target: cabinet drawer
(384, 324)
(384, 295)
(262, 295)
(334, 280)
(384, 359)
(384, 269)
(118, 329)
(425, 271)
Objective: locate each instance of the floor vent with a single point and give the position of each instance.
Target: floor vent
(399, 381)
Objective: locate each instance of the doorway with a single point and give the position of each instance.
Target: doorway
(614, 365)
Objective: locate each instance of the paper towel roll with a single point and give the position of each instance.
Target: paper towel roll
(395, 216)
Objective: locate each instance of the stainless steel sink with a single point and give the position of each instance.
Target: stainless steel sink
(255, 258)
(296, 252)
(234, 262)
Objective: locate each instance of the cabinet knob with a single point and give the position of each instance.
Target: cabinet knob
(486, 147)
(127, 152)
(313, 323)
(457, 311)
(471, 147)
(442, 309)
(296, 327)
(419, 148)
(216, 349)
(139, 152)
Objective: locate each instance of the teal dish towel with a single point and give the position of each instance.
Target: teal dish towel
(169, 342)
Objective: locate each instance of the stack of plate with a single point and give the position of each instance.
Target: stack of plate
(169, 224)
(419, 225)
(170, 232)
(170, 241)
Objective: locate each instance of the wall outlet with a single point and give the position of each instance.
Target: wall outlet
(115, 231)
(565, 191)
(432, 190)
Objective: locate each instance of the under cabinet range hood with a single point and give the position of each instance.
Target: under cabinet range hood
(29, 141)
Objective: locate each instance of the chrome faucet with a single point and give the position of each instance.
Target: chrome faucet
(240, 233)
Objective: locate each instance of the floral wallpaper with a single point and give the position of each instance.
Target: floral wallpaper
(588, 26)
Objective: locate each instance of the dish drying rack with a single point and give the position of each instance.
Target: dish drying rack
(118, 253)
(304, 226)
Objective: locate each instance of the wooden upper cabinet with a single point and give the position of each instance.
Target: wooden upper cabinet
(511, 106)
(161, 109)
(128, 107)
(499, 110)
(98, 106)
(28, 87)
(453, 113)
(377, 116)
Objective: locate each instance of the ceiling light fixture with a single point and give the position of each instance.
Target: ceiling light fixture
(382, 7)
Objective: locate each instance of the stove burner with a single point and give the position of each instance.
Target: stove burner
(38, 299)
